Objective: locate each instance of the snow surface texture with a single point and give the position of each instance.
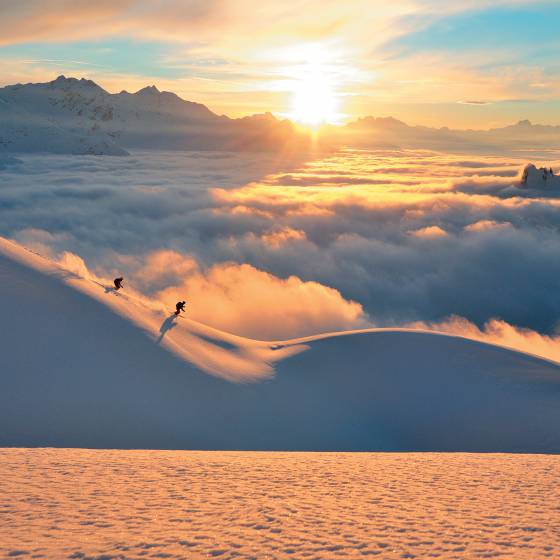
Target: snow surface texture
(85, 366)
(156, 504)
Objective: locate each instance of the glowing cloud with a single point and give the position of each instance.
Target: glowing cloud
(429, 232)
(251, 302)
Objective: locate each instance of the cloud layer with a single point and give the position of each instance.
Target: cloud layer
(353, 238)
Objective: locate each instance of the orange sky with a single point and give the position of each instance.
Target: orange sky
(478, 64)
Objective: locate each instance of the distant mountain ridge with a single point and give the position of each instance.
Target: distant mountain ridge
(70, 115)
(371, 131)
(77, 116)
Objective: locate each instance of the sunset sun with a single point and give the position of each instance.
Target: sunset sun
(314, 101)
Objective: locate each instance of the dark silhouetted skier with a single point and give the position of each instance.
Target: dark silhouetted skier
(118, 283)
(179, 306)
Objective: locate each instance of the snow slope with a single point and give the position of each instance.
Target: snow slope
(83, 366)
(7, 160)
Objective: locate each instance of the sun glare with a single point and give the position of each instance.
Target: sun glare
(314, 101)
(314, 98)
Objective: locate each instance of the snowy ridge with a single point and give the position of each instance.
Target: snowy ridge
(543, 179)
(75, 116)
(390, 132)
(85, 366)
(242, 360)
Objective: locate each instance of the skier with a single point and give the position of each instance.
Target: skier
(179, 306)
(118, 282)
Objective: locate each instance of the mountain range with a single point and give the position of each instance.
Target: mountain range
(68, 115)
(77, 116)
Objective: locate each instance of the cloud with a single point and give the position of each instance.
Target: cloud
(247, 301)
(429, 232)
(486, 225)
(236, 298)
(165, 219)
(473, 102)
(277, 238)
(69, 20)
(160, 269)
(40, 241)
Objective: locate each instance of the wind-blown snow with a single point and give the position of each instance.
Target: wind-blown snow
(85, 366)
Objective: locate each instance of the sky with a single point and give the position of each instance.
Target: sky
(473, 64)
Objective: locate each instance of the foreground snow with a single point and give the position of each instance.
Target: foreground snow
(155, 504)
(84, 366)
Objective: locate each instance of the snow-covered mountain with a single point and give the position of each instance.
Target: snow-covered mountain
(69, 115)
(542, 179)
(77, 116)
(84, 366)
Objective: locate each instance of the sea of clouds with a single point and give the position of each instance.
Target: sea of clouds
(271, 247)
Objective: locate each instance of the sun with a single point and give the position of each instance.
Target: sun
(314, 100)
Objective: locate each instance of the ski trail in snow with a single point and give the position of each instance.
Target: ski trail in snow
(122, 371)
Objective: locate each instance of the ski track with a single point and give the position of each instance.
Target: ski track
(167, 504)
